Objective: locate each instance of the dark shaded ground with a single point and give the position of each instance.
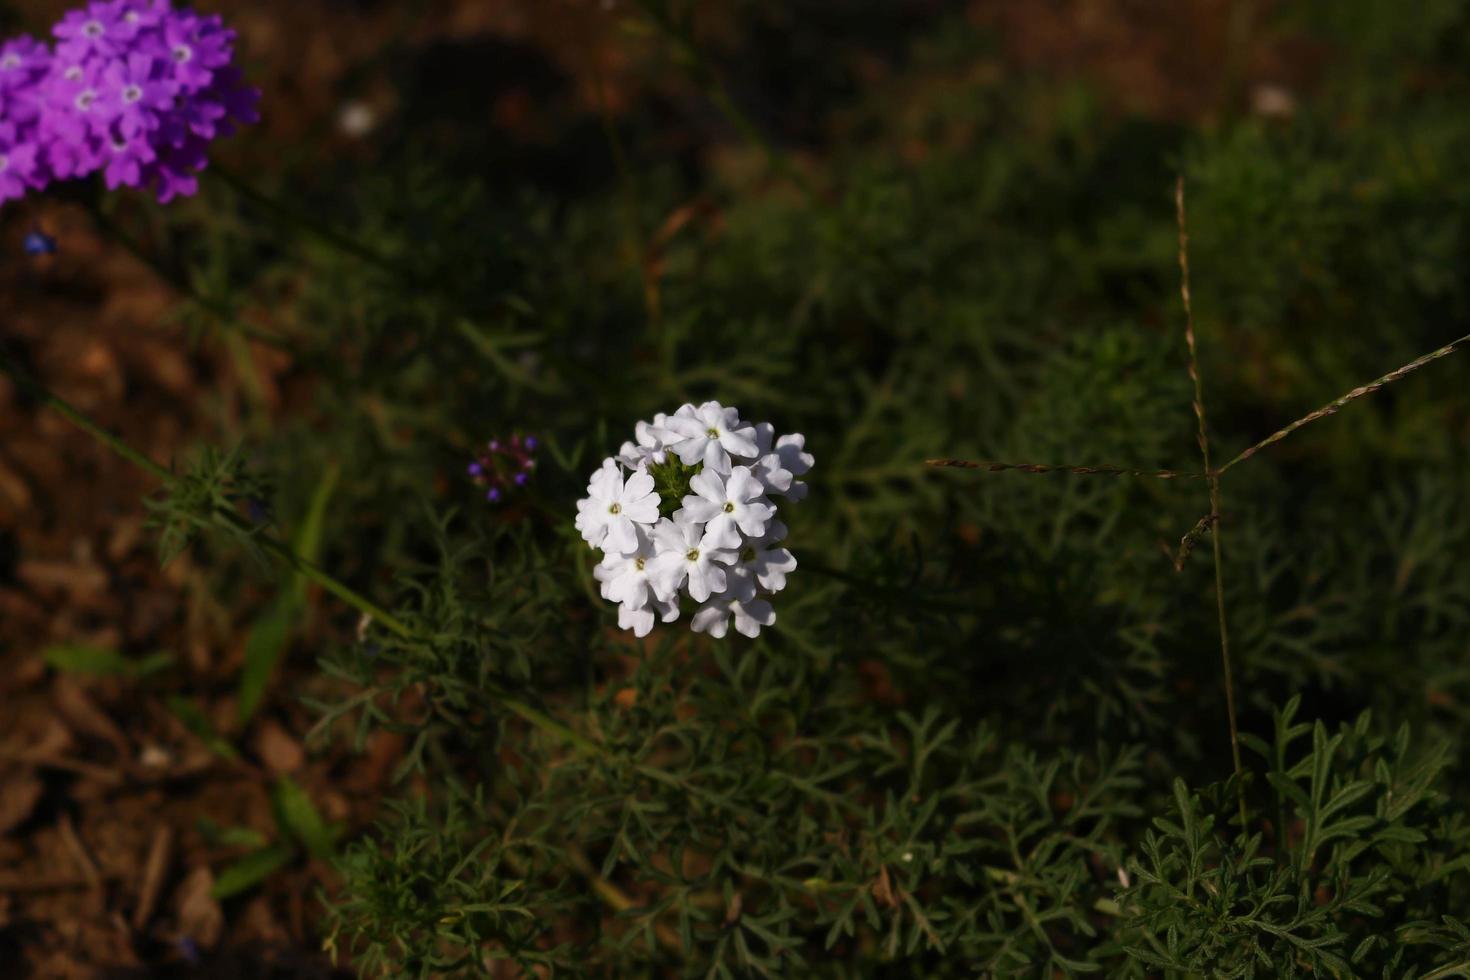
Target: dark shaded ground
(96, 774)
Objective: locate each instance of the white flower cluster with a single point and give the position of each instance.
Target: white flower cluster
(722, 544)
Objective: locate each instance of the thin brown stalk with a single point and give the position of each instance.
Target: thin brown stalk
(1214, 484)
(1098, 469)
(1332, 407)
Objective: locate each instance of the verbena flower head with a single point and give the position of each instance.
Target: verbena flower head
(135, 90)
(686, 509)
(505, 466)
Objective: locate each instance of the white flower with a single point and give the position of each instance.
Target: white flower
(728, 506)
(780, 461)
(761, 566)
(651, 445)
(714, 617)
(710, 434)
(791, 450)
(607, 516)
(640, 621)
(767, 467)
(686, 553)
(624, 576)
(723, 545)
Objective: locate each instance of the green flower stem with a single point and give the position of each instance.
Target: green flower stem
(80, 420)
(310, 571)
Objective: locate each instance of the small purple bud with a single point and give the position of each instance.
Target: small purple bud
(494, 445)
(476, 469)
(39, 243)
(520, 479)
(531, 443)
(493, 495)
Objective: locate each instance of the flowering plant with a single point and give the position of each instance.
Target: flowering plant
(134, 89)
(686, 509)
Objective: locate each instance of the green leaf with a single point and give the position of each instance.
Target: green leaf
(271, 631)
(299, 817)
(251, 870)
(101, 662)
(188, 713)
(308, 540)
(263, 649)
(218, 836)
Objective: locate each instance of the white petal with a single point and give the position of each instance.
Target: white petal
(715, 457)
(631, 589)
(740, 582)
(640, 621)
(666, 573)
(705, 579)
(742, 485)
(639, 484)
(754, 517)
(774, 477)
(607, 482)
(667, 609)
(697, 510)
(642, 511)
(765, 436)
(713, 619)
(669, 536)
(721, 532)
(751, 616)
(593, 527)
(708, 485)
(794, 457)
(686, 426)
(622, 535)
(691, 451)
(740, 442)
(771, 568)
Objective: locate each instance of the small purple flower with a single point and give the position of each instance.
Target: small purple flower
(133, 97)
(196, 47)
(23, 62)
(188, 949)
(96, 30)
(140, 15)
(20, 169)
(504, 466)
(37, 243)
(127, 156)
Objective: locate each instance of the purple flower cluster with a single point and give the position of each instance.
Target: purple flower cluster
(506, 465)
(134, 89)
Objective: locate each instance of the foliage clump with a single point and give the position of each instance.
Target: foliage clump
(989, 736)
